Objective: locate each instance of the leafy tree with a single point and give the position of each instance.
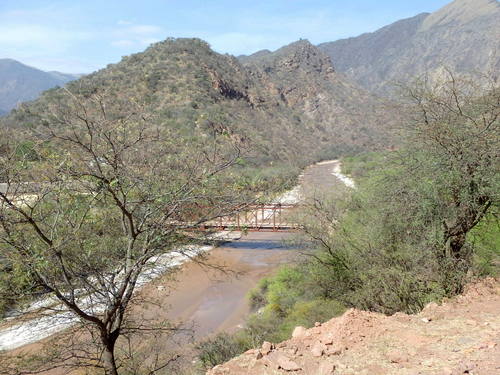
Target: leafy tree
(408, 235)
(453, 148)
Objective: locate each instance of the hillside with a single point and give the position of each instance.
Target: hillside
(460, 336)
(291, 102)
(305, 78)
(463, 36)
(20, 83)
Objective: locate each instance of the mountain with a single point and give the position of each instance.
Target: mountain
(282, 103)
(463, 36)
(304, 78)
(20, 83)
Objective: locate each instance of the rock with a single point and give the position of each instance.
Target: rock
(317, 324)
(334, 350)
(292, 350)
(466, 367)
(266, 348)
(287, 364)
(327, 339)
(397, 356)
(318, 349)
(299, 332)
(425, 320)
(326, 368)
(267, 362)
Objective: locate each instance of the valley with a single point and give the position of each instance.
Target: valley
(326, 206)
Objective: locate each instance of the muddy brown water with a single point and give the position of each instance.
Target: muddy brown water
(209, 300)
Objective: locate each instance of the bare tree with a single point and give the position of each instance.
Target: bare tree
(109, 193)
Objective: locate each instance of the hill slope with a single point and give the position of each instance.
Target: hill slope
(293, 102)
(303, 77)
(464, 36)
(462, 336)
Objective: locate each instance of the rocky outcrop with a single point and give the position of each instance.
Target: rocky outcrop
(225, 88)
(457, 337)
(284, 101)
(303, 77)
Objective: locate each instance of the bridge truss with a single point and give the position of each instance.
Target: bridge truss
(257, 218)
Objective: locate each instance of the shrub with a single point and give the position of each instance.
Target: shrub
(220, 348)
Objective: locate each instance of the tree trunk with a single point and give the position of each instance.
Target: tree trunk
(108, 357)
(456, 244)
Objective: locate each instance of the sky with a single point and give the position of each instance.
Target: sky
(74, 36)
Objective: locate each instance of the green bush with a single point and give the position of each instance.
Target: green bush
(486, 240)
(220, 348)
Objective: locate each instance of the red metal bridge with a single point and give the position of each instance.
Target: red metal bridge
(258, 217)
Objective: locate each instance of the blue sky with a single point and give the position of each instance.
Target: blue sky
(81, 36)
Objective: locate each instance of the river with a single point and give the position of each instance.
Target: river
(205, 299)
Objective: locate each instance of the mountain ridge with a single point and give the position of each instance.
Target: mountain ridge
(20, 82)
(464, 36)
(461, 11)
(288, 105)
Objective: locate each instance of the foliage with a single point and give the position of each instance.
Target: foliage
(219, 349)
(424, 218)
(485, 239)
(192, 89)
(278, 312)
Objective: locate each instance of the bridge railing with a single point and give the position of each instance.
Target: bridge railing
(257, 217)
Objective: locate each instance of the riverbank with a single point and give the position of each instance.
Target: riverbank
(211, 298)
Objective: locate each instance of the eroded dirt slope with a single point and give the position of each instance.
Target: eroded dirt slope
(460, 336)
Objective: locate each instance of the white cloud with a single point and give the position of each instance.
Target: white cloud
(123, 43)
(144, 29)
(129, 35)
